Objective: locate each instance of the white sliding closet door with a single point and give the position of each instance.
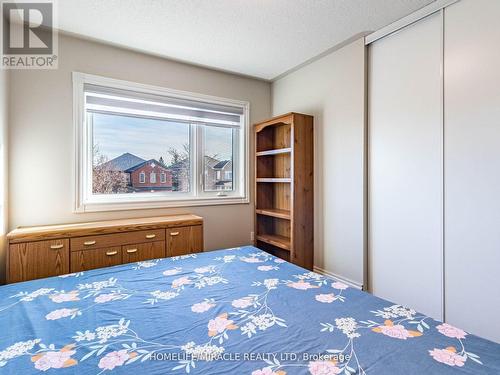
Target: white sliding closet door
(472, 166)
(405, 167)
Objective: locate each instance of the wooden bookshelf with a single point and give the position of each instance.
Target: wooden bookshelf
(284, 187)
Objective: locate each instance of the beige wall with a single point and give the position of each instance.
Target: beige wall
(41, 134)
(3, 167)
(333, 90)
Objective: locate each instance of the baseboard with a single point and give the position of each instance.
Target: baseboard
(341, 278)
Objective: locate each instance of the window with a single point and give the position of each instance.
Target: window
(125, 131)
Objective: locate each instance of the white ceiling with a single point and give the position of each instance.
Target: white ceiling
(260, 38)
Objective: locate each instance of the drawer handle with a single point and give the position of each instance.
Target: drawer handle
(88, 243)
(174, 233)
(56, 247)
(149, 236)
(111, 253)
(130, 251)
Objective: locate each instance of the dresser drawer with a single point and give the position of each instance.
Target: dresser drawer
(143, 251)
(184, 240)
(84, 260)
(116, 239)
(35, 260)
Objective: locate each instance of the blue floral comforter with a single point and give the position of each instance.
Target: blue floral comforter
(236, 311)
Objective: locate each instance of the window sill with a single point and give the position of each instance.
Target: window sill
(123, 206)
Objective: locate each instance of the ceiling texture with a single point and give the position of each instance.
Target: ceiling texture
(258, 38)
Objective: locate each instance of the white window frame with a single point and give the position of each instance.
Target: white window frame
(163, 177)
(85, 201)
(142, 177)
(152, 178)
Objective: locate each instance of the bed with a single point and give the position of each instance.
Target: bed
(234, 311)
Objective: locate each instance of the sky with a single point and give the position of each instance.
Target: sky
(150, 138)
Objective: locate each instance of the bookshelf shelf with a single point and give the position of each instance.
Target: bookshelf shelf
(275, 240)
(274, 179)
(274, 152)
(274, 212)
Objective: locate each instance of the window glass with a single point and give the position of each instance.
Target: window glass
(123, 145)
(218, 155)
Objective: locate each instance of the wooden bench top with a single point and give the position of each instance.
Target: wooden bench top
(36, 233)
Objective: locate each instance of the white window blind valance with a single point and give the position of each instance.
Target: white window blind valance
(99, 99)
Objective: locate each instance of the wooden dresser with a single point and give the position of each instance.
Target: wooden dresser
(44, 251)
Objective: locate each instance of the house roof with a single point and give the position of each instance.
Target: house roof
(210, 161)
(215, 163)
(122, 162)
(221, 164)
(135, 167)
